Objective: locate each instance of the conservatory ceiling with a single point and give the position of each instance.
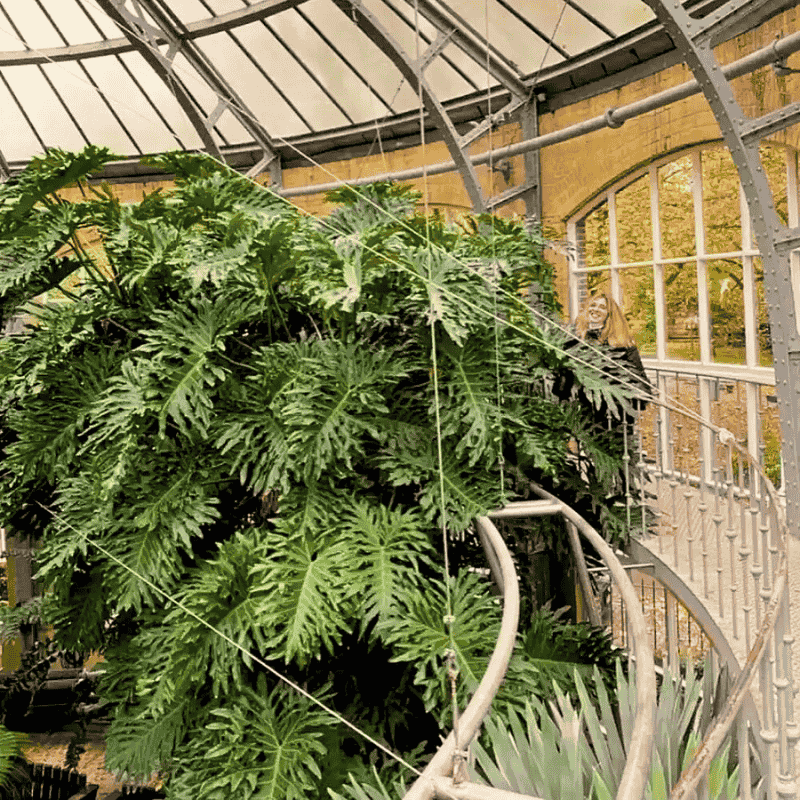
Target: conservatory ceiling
(136, 75)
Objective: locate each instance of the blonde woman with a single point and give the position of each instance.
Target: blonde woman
(601, 323)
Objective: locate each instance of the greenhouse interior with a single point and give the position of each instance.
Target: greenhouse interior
(400, 399)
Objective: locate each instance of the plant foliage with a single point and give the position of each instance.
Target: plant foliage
(237, 409)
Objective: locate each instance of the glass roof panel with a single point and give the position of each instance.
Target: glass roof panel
(72, 23)
(27, 22)
(19, 140)
(299, 67)
(45, 110)
(160, 98)
(88, 106)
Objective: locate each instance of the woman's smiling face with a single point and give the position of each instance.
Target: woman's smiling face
(597, 313)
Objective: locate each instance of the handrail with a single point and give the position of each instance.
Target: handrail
(763, 501)
(434, 780)
(637, 768)
(440, 765)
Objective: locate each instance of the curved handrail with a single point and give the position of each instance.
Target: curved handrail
(441, 763)
(720, 729)
(637, 768)
(433, 780)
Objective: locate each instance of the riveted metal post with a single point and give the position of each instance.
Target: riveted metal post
(529, 122)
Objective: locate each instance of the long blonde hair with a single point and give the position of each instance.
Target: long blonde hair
(615, 331)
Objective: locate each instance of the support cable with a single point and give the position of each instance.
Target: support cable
(174, 600)
(632, 384)
(449, 618)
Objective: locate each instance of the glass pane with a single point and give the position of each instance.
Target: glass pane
(683, 324)
(595, 245)
(599, 281)
(721, 202)
(771, 433)
(676, 208)
(639, 307)
(726, 299)
(764, 332)
(634, 225)
(773, 159)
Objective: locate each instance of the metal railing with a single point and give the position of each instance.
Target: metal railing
(440, 778)
(704, 581)
(709, 556)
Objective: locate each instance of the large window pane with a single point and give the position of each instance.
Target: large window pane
(726, 299)
(676, 208)
(721, 218)
(683, 324)
(773, 159)
(764, 332)
(596, 238)
(634, 224)
(639, 307)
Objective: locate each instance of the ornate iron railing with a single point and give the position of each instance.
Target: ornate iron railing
(710, 540)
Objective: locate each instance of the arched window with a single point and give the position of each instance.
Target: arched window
(674, 245)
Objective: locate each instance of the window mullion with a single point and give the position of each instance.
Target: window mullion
(659, 295)
(613, 250)
(703, 303)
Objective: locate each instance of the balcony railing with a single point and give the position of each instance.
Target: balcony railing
(703, 581)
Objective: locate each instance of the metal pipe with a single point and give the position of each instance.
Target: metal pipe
(612, 118)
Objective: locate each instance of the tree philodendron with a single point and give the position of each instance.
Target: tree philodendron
(235, 406)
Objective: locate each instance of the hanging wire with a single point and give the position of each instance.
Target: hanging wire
(174, 600)
(500, 456)
(616, 376)
(633, 384)
(546, 51)
(449, 618)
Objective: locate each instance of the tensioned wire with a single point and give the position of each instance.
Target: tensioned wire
(617, 375)
(449, 619)
(497, 321)
(174, 600)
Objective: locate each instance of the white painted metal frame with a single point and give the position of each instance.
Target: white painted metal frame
(750, 373)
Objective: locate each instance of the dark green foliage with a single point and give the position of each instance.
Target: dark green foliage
(237, 410)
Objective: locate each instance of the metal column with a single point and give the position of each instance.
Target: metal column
(696, 37)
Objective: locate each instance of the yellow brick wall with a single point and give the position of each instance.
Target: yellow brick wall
(573, 171)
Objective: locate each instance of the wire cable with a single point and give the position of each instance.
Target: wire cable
(288, 681)
(632, 385)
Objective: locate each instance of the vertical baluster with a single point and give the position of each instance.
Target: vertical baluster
(673, 484)
(670, 623)
(655, 617)
(756, 568)
(744, 550)
(687, 499)
(763, 529)
(661, 450)
(768, 734)
(792, 730)
(780, 687)
(718, 524)
(626, 465)
(743, 743)
(702, 507)
(642, 470)
(731, 535)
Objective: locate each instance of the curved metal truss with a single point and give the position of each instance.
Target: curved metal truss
(695, 36)
(266, 82)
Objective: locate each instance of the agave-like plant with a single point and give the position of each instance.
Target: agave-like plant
(566, 750)
(560, 750)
